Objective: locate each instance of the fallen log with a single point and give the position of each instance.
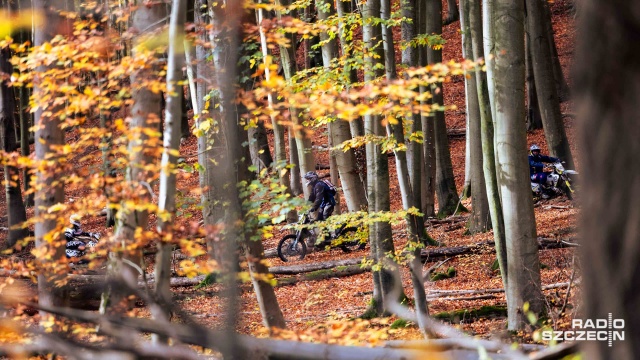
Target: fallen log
(436, 294)
(340, 271)
(486, 246)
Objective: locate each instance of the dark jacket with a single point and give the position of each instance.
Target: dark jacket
(320, 196)
(536, 163)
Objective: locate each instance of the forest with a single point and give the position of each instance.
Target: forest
(319, 179)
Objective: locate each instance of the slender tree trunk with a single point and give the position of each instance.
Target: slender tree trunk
(296, 179)
(428, 165)
(226, 21)
(146, 114)
(519, 220)
(534, 120)
(339, 130)
(562, 88)
(259, 146)
(414, 149)
(49, 188)
(171, 145)
(488, 39)
(303, 142)
(377, 162)
(453, 14)
(548, 99)
(445, 181)
(25, 124)
(480, 219)
(415, 224)
(343, 8)
(16, 213)
(486, 129)
(609, 138)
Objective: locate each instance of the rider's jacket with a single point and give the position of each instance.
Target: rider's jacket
(320, 196)
(536, 163)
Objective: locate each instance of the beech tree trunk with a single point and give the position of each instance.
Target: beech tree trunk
(562, 88)
(513, 170)
(480, 219)
(548, 99)
(343, 8)
(445, 182)
(428, 165)
(377, 164)
(171, 145)
(534, 119)
(49, 189)
(146, 114)
(487, 132)
(415, 224)
(303, 142)
(259, 145)
(339, 131)
(16, 213)
(452, 12)
(609, 140)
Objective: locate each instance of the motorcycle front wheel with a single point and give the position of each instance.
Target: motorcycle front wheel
(289, 249)
(348, 243)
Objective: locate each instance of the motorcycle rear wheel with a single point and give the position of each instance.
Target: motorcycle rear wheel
(348, 243)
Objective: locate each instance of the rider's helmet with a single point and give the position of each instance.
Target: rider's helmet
(534, 149)
(310, 177)
(75, 221)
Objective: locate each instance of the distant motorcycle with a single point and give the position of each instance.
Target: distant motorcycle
(78, 245)
(295, 245)
(563, 184)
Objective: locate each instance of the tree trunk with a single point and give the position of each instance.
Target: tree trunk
(303, 142)
(488, 45)
(343, 8)
(146, 114)
(377, 164)
(445, 181)
(519, 220)
(226, 33)
(259, 146)
(609, 139)
(296, 179)
(171, 145)
(534, 119)
(486, 129)
(49, 188)
(480, 220)
(562, 88)
(453, 14)
(428, 165)
(415, 224)
(16, 213)
(339, 131)
(545, 87)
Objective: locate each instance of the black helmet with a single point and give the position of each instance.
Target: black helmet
(311, 177)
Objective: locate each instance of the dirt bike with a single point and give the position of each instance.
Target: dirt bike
(295, 245)
(80, 245)
(565, 183)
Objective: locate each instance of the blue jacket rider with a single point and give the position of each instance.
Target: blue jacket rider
(536, 166)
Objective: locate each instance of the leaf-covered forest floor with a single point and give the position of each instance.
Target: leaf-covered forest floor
(317, 310)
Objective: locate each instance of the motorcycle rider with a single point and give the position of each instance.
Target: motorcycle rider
(536, 168)
(75, 247)
(321, 197)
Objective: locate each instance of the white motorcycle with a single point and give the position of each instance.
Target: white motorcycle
(559, 181)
